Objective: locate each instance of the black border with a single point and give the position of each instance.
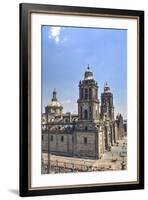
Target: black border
(25, 8)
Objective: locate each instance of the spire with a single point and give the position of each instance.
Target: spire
(54, 97)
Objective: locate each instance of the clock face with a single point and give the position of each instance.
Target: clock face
(85, 106)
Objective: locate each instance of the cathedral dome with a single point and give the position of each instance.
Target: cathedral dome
(88, 74)
(54, 102)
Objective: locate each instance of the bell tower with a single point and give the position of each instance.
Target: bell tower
(88, 102)
(107, 107)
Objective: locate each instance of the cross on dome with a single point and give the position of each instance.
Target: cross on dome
(88, 67)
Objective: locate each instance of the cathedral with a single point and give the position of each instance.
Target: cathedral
(88, 134)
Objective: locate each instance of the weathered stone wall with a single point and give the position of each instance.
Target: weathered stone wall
(82, 144)
(85, 144)
(58, 142)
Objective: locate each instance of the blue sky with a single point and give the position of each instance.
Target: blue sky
(66, 53)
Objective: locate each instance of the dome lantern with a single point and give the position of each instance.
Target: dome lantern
(54, 97)
(106, 88)
(88, 73)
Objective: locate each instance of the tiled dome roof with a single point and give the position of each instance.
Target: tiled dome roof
(54, 104)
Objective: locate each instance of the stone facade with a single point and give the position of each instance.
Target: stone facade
(88, 134)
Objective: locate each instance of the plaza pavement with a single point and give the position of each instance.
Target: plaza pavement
(111, 160)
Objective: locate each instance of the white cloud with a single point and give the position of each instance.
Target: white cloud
(64, 39)
(55, 34)
(66, 101)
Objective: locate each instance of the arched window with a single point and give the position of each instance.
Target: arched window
(66, 120)
(96, 93)
(81, 93)
(86, 93)
(90, 109)
(85, 140)
(85, 114)
(90, 93)
(90, 112)
(62, 138)
(81, 112)
(51, 138)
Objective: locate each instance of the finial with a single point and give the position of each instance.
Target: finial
(106, 83)
(88, 67)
